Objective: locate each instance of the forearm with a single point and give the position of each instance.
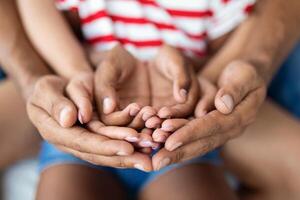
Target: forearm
(53, 38)
(263, 40)
(17, 56)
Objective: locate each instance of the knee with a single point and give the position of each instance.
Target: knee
(285, 170)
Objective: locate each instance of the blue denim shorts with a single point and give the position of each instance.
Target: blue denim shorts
(132, 179)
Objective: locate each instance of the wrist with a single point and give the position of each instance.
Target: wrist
(76, 69)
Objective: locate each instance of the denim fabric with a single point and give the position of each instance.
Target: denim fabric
(2, 75)
(132, 179)
(285, 87)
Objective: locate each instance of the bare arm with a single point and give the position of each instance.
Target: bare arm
(52, 36)
(17, 57)
(263, 40)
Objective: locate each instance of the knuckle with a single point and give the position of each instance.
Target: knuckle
(121, 163)
(90, 158)
(179, 155)
(77, 142)
(45, 83)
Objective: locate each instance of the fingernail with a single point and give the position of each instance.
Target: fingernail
(155, 146)
(132, 139)
(107, 105)
(167, 128)
(163, 163)
(175, 146)
(228, 101)
(64, 114)
(146, 143)
(183, 93)
(80, 118)
(139, 167)
(122, 153)
(134, 111)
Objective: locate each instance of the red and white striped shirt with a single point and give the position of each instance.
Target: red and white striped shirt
(144, 25)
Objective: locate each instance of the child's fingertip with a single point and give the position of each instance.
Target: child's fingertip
(183, 94)
(108, 105)
(164, 113)
(80, 118)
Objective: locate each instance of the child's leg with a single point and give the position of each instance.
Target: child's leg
(77, 182)
(18, 138)
(192, 182)
(266, 158)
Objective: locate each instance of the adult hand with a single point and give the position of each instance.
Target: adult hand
(48, 108)
(241, 92)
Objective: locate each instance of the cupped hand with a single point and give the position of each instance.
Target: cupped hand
(241, 91)
(122, 89)
(173, 84)
(49, 109)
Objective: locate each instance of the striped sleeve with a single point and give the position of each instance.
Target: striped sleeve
(67, 4)
(227, 14)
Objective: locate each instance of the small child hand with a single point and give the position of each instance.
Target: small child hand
(80, 90)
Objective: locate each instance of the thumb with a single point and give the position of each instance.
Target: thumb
(105, 81)
(173, 65)
(236, 81)
(181, 83)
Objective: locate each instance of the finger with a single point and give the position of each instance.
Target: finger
(145, 150)
(139, 120)
(153, 122)
(236, 81)
(148, 150)
(181, 82)
(76, 138)
(136, 160)
(111, 72)
(106, 79)
(49, 95)
(171, 125)
(197, 148)
(121, 118)
(172, 64)
(146, 140)
(160, 136)
(207, 96)
(216, 122)
(113, 132)
(81, 93)
(182, 109)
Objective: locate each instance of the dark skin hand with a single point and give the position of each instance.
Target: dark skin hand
(120, 82)
(240, 71)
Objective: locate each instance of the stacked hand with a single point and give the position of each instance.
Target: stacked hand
(139, 105)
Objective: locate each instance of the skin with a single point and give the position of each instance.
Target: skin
(29, 74)
(92, 184)
(270, 170)
(241, 83)
(77, 66)
(189, 182)
(24, 136)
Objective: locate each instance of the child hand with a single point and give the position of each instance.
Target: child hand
(205, 104)
(120, 80)
(174, 87)
(80, 89)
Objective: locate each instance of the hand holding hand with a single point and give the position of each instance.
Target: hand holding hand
(244, 92)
